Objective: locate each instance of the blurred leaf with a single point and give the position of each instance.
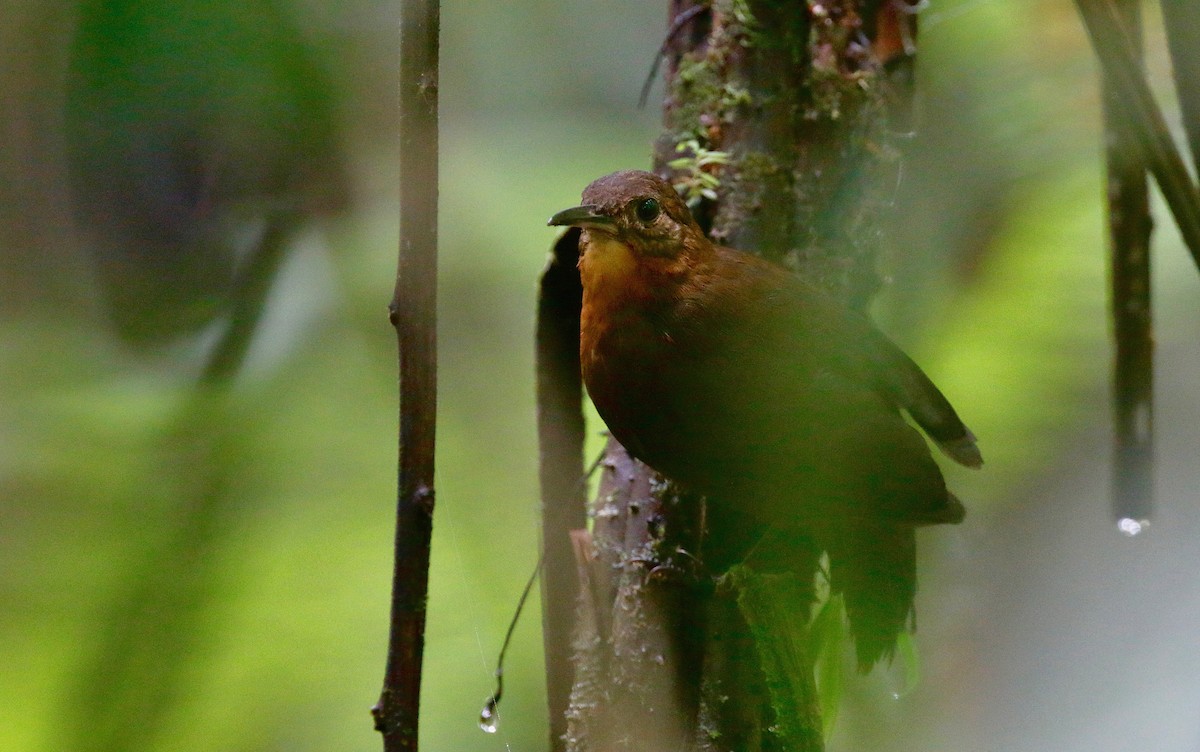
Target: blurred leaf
(827, 638)
(190, 125)
(774, 607)
(910, 660)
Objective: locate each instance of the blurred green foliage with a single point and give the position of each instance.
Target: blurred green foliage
(187, 123)
(239, 545)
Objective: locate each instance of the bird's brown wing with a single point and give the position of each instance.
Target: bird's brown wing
(814, 391)
(798, 315)
(808, 393)
(785, 408)
(908, 387)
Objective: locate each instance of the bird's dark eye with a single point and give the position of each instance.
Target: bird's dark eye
(647, 210)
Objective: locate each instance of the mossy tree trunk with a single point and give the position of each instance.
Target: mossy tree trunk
(781, 122)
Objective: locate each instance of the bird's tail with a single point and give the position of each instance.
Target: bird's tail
(874, 566)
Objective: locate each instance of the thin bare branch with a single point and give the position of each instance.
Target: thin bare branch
(1182, 21)
(560, 441)
(413, 314)
(1118, 57)
(1129, 237)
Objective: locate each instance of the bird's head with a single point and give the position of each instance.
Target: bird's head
(629, 216)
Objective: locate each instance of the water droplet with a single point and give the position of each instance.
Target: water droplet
(489, 719)
(1130, 527)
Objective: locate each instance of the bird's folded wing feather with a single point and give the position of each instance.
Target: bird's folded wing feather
(808, 327)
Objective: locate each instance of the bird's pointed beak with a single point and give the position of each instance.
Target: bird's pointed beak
(580, 216)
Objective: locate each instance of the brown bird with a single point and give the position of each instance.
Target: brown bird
(742, 382)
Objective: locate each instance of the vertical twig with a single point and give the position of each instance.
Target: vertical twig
(560, 467)
(413, 314)
(1118, 57)
(1129, 226)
